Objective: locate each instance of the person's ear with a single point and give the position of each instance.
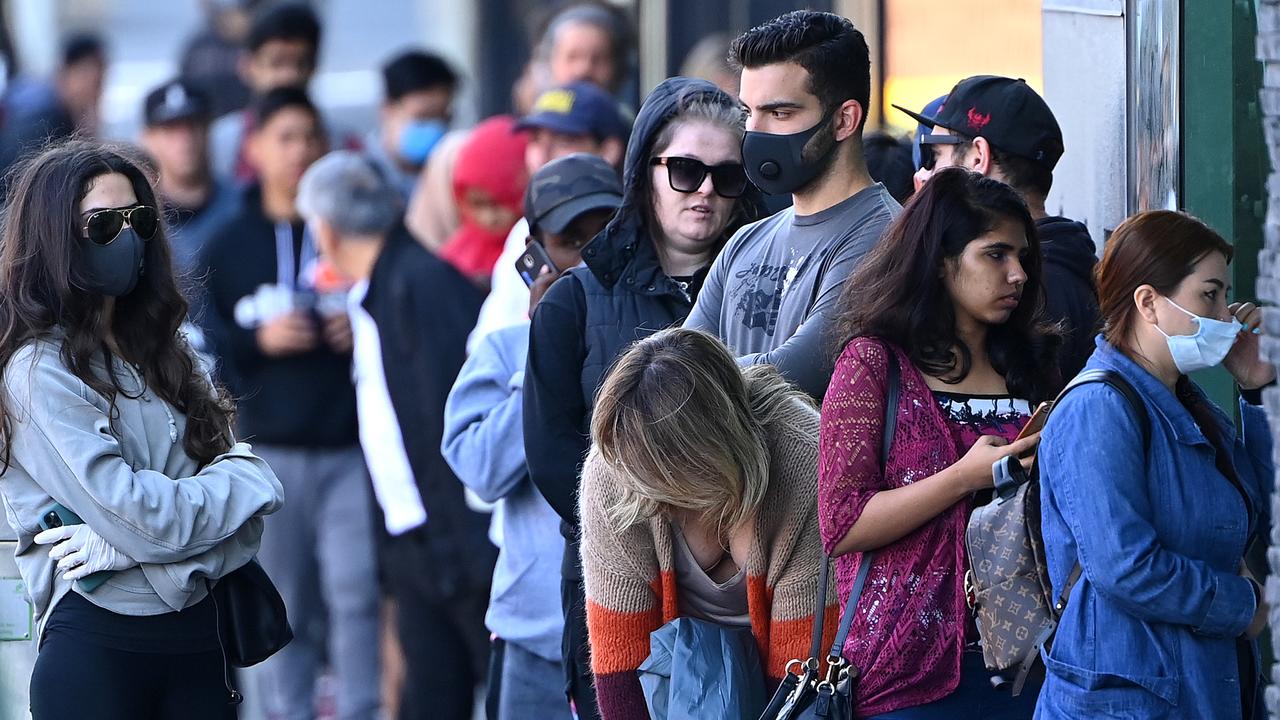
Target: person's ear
(979, 158)
(613, 150)
(253, 150)
(1144, 300)
(326, 239)
(849, 117)
(244, 68)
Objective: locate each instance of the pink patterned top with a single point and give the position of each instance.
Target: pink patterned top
(910, 626)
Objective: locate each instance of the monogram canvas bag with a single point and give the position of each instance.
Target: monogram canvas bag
(1007, 582)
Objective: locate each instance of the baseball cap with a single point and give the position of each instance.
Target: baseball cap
(578, 108)
(567, 187)
(921, 130)
(175, 100)
(1005, 111)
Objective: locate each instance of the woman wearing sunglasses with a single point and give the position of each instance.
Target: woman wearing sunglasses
(684, 194)
(118, 469)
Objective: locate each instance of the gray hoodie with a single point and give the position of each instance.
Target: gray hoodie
(130, 481)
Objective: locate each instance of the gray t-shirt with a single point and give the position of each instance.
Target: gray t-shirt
(773, 290)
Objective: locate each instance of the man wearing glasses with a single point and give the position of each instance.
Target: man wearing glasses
(770, 294)
(1001, 128)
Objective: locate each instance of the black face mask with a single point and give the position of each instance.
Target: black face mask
(113, 269)
(776, 164)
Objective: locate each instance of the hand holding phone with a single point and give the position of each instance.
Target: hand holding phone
(532, 261)
(59, 516)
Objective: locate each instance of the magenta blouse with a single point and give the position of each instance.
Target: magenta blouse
(912, 622)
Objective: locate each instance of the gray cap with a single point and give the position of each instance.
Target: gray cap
(568, 187)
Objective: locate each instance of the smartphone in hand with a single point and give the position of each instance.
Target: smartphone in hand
(531, 262)
(58, 515)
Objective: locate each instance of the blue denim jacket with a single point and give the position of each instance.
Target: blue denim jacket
(1150, 629)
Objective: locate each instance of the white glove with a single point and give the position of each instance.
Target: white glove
(80, 551)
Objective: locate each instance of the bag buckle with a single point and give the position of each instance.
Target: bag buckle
(970, 590)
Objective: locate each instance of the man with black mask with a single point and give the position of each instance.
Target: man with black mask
(806, 85)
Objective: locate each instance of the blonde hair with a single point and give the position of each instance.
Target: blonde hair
(682, 427)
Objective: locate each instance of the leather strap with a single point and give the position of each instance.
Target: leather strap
(1118, 382)
(855, 593)
(820, 607)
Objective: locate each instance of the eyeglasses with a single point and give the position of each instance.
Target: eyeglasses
(104, 226)
(928, 158)
(686, 176)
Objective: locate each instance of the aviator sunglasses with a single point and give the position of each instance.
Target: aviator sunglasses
(686, 176)
(103, 226)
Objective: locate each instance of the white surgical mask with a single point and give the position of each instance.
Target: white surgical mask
(1204, 348)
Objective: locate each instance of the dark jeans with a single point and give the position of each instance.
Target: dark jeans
(976, 699)
(579, 685)
(78, 679)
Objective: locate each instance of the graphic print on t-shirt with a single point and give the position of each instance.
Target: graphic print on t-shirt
(760, 288)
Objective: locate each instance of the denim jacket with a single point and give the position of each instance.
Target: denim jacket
(1150, 630)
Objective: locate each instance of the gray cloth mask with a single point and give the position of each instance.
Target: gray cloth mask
(113, 269)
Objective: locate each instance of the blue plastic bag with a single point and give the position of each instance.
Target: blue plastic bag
(697, 670)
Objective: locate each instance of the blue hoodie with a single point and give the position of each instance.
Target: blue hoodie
(484, 444)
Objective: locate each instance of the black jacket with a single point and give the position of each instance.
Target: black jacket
(1070, 295)
(593, 314)
(424, 310)
(305, 400)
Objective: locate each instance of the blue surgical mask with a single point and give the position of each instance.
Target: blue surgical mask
(1204, 348)
(418, 138)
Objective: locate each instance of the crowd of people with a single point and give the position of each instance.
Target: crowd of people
(504, 410)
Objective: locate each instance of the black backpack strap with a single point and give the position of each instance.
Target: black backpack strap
(1139, 408)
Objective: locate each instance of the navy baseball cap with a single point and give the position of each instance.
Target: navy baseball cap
(567, 187)
(921, 130)
(1005, 111)
(173, 101)
(578, 108)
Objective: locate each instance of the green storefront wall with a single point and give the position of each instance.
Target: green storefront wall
(1224, 156)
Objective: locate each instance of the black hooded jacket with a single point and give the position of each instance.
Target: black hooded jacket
(592, 314)
(1070, 295)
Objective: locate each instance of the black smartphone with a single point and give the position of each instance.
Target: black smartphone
(58, 515)
(531, 262)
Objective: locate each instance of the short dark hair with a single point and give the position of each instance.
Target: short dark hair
(1025, 175)
(291, 21)
(416, 70)
(826, 45)
(889, 162)
(83, 46)
(279, 100)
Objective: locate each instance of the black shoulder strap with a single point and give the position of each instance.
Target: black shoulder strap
(893, 391)
(1122, 386)
(1139, 408)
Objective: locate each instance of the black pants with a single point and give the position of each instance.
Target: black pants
(579, 682)
(78, 679)
(442, 634)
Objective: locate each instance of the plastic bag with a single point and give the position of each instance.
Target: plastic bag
(697, 670)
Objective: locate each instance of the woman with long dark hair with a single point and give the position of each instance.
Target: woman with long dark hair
(1153, 508)
(951, 294)
(121, 477)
